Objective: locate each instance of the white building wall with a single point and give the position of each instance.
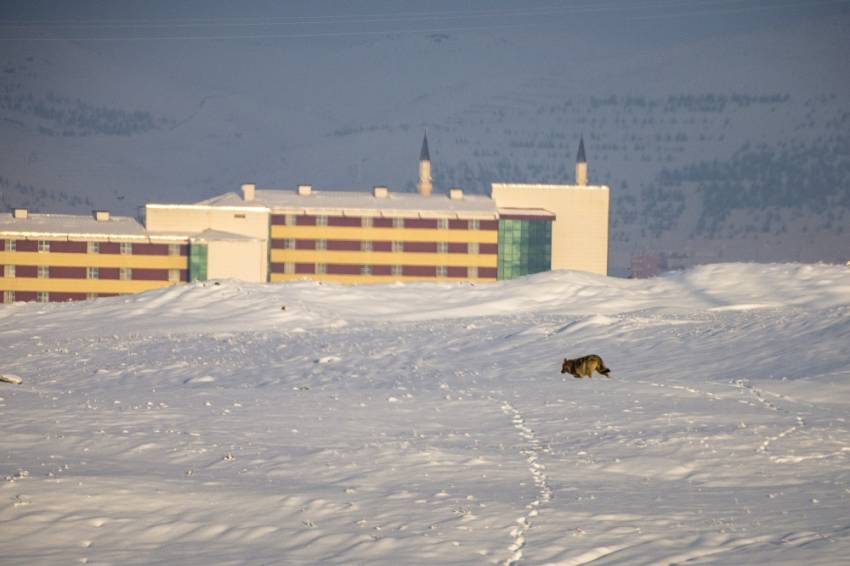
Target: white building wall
(580, 229)
(236, 259)
(249, 221)
(245, 221)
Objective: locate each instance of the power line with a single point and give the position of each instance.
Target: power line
(350, 18)
(717, 7)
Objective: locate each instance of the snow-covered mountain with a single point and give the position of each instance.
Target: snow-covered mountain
(233, 423)
(720, 127)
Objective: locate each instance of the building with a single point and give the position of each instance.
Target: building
(338, 235)
(343, 236)
(645, 266)
(58, 257)
(576, 215)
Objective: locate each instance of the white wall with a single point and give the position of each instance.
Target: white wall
(580, 229)
(236, 259)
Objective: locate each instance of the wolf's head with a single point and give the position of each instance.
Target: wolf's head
(568, 366)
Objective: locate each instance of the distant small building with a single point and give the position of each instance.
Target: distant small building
(645, 266)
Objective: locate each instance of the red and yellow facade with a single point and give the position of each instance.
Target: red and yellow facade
(356, 248)
(50, 267)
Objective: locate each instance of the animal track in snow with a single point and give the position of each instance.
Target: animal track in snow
(532, 453)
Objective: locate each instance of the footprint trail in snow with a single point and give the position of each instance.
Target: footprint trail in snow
(531, 451)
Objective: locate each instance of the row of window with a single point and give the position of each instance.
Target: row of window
(395, 246)
(123, 273)
(10, 297)
(123, 248)
(381, 222)
(289, 268)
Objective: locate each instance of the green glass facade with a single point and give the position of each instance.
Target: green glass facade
(525, 247)
(197, 262)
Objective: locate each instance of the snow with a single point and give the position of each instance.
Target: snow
(429, 423)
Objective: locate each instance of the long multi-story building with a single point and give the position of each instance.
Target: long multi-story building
(58, 257)
(344, 236)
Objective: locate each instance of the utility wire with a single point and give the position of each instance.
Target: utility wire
(718, 7)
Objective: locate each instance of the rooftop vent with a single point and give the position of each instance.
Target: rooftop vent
(101, 215)
(20, 213)
(305, 190)
(456, 194)
(248, 190)
(380, 191)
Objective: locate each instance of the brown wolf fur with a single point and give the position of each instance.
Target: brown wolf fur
(584, 367)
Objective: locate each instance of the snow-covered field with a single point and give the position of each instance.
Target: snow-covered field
(412, 424)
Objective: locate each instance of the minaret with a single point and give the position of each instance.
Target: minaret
(424, 187)
(581, 165)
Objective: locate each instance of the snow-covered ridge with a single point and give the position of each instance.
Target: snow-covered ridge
(247, 306)
(429, 424)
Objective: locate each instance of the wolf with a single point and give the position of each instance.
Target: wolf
(584, 367)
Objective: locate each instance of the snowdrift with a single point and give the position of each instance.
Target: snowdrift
(429, 423)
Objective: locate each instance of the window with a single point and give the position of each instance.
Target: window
(42, 297)
(125, 273)
(43, 246)
(398, 246)
(173, 275)
(398, 223)
(91, 296)
(173, 249)
(443, 223)
(365, 270)
(11, 245)
(475, 225)
(93, 247)
(441, 271)
(367, 221)
(321, 220)
(289, 244)
(289, 219)
(321, 268)
(366, 246)
(126, 248)
(321, 244)
(472, 272)
(92, 273)
(8, 271)
(396, 270)
(442, 247)
(8, 297)
(472, 247)
(43, 272)
(289, 268)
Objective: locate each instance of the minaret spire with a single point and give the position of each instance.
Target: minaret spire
(424, 155)
(424, 187)
(581, 165)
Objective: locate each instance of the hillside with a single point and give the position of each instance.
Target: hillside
(721, 131)
(429, 424)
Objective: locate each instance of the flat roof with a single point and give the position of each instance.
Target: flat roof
(526, 213)
(71, 226)
(550, 186)
(66, 224)
(210, 235)
(362, 203)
